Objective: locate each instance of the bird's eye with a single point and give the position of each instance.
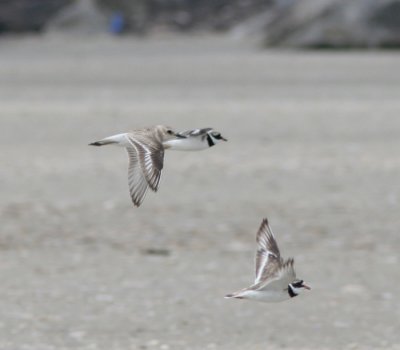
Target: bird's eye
(217, 135)
(170, 132)
(297, 284)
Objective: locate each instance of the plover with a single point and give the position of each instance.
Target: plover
(146, 153)
(275, 278)
(196, 139)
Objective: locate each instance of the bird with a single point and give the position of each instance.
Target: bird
(145, 149)
(196, 139)
(275, 277)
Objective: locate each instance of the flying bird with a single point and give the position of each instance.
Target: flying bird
(275, 277)
(146, 153)
(196, 139)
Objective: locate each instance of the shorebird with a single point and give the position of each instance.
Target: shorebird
(275, 278)
(196, 139)
(146, 153)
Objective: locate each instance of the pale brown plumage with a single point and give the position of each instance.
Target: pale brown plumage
(146, 160)
(273, 273)
(268, 256)
(146, 157)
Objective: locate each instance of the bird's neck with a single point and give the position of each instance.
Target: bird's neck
(210, 141)
(291, 292)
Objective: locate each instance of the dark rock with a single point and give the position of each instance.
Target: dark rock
(82, 16)
(156, 251)
(27, 15)
(335, 24)
(183, 15)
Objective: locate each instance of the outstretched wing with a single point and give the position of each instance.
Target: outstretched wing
(268, 257)
(150, 154)
(286, 271)
(137, 182)
(279, 279)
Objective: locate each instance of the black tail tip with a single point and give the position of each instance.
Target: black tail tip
(228, 296)
(95, 144)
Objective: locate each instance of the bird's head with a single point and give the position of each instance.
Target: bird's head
(216, 136)
(296, 287)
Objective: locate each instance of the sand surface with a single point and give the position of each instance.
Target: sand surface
(314, 140)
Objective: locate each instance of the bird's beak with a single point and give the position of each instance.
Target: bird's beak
(223, 138)
(179, 136)
(306, 287)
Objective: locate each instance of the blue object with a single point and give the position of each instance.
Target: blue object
(117, 23)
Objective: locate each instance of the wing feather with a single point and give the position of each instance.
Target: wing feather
(151, 159)
(268, 257)
(137, 182)
(280, 279)
(195, 132)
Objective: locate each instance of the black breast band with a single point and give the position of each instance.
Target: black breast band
(291, 292)
(210, 141)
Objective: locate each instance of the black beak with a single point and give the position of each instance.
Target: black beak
(223, 138)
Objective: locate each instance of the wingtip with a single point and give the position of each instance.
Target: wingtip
(234, 295)
(264, 223)
(180, 136)
(136, 204)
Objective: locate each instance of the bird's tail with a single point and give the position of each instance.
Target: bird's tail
(236, 295)
(101, 143)
(119, 139)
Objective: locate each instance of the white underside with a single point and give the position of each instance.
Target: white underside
(265, 295)
(189, 144)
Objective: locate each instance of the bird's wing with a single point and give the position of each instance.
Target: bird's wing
(280, 280)
(137, 182)
(268, 257)
(150, 154)
(195, 132)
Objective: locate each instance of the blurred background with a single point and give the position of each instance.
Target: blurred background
(308, 95)
(305, 23)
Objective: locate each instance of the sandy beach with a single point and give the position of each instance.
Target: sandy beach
(313, 145)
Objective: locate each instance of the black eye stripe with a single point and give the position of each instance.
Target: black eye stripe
(210, 141)
(298, 284)
(291, 292)
(216, 136)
